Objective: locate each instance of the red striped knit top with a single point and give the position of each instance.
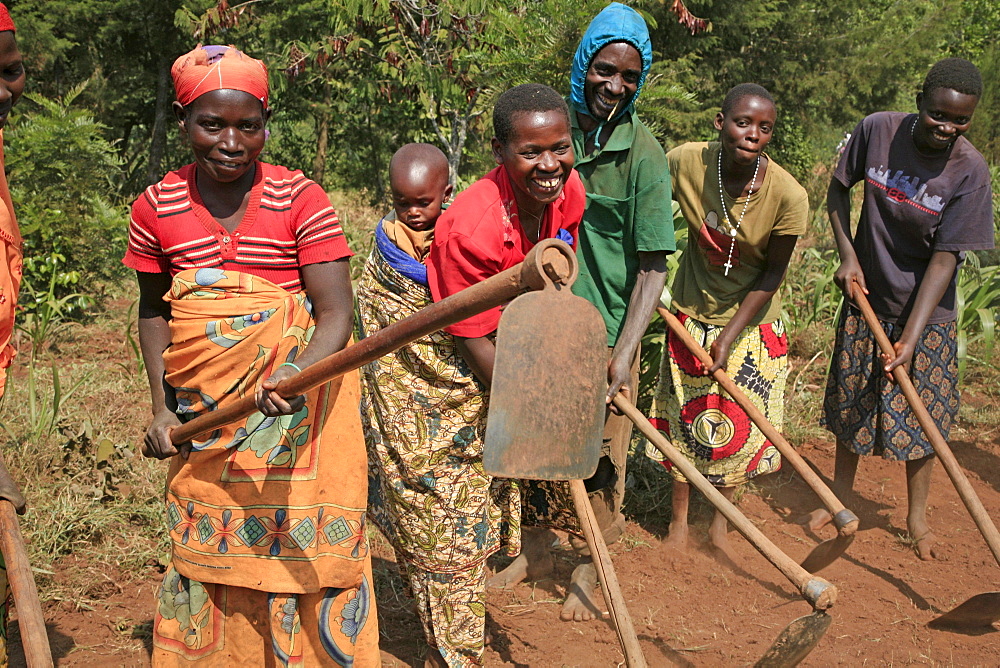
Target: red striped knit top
(288, 223)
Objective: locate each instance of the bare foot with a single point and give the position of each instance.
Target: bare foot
(534, 563)
(718, 537)
(581, 601)
(676, 540)
(925, 544)
(434, 659)
(817, 519)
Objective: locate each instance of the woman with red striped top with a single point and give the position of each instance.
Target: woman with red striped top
(243, 281)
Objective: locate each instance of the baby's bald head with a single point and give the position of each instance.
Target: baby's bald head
(418, 177)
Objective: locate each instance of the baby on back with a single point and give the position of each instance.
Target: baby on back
(418, 178)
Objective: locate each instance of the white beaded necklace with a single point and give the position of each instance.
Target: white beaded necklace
(733, 229)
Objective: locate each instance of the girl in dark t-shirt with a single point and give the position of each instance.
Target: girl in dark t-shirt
(927, 200)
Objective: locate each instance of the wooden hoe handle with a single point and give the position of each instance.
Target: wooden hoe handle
(34, 638)
(845, 520)
(550, 260)
(941, 447)
(817, 591)
(609, 580)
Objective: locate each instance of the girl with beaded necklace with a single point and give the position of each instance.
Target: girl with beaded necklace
(744, 215)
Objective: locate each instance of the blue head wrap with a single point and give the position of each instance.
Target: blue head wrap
(615, 23)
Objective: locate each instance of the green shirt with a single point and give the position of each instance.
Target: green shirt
(628, 212)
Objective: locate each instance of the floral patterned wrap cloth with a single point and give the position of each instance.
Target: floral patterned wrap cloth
(275, 504)
(262, 505)
(424, 416)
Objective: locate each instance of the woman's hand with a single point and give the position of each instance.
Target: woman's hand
(903, 358)
(270, 403)
(849, 272)
(157, 442)
(719, 352)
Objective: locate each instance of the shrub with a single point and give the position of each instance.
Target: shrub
(62, 178)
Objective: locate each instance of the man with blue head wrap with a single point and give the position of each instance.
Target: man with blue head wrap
(626, 233)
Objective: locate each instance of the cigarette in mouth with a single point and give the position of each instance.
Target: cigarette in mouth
(613, 110)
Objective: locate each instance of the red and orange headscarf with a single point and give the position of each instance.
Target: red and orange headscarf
(211, 68)
(6, 23)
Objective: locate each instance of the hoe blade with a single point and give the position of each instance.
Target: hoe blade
(826, 553)
(978, 612)
(796, 641)
(546, 418)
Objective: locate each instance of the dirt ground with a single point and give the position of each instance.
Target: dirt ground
(688, 610)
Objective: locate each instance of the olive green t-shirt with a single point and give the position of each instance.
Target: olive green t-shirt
(780, 207)
(628, 212)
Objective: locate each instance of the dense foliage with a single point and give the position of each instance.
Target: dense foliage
(354, 79)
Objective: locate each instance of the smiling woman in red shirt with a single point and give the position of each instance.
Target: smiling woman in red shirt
(243, 280)
(532, 194)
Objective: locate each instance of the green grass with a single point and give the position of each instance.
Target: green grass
(89, 492)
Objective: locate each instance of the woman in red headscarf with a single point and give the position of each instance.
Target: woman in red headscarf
(243, 280)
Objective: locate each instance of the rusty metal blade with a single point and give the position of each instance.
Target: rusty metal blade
(980, 611)
(826, 553)
(546, 416)
(796, 641)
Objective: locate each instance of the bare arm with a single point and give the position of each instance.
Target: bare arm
(328, 285)
(933, 285)
(645, 297)
(838, 207)
(779, 252)
(154, 337)
(480, 354)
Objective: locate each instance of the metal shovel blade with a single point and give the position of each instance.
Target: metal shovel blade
(980, 611)
(796, 641)
(546, 416)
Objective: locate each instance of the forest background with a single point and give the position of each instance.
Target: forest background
(351, 81)
(355, 79)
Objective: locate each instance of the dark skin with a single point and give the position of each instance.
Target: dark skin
(744, 132)
(943, 115)
(12, 78)
(539, 160)
(226, 132)
(418, 179)
(611, 84)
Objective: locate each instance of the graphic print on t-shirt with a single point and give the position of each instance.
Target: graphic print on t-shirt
(902, 188)
(715, 242)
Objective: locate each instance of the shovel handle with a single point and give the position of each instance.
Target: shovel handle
(550, 260)
(817, 591)
(34, 639)
(845, 520)
(941, 447)
(609, 580)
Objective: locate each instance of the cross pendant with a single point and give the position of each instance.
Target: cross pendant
(728, 265)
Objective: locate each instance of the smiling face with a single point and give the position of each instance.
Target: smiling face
(746, 129)
(612, 79)
(944, 115)
(226, 132)
(538, 157)
(417, 195)
(11, 74)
